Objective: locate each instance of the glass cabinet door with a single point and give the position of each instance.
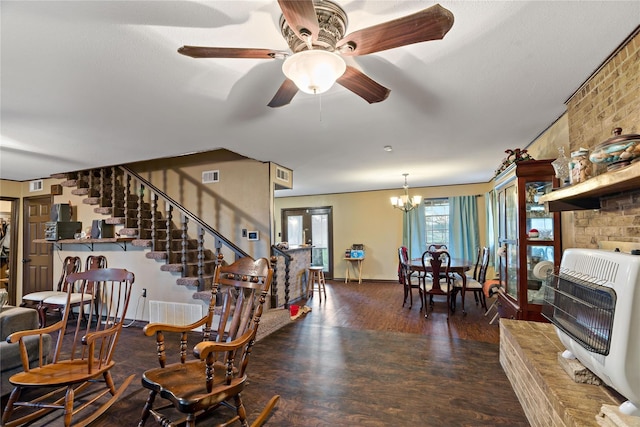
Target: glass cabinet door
(537, 218)
(511, 239)
(539, 228)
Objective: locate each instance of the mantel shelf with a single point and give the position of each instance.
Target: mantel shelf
(120, 241)
(587, 194)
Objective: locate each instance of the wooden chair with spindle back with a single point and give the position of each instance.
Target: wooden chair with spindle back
(59, 302)
(71, 264)
(218, 373)
(83, 356)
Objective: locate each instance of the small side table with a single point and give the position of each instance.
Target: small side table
(356, 265)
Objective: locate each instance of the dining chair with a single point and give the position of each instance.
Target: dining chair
(77, 380)
(62, 301)
(71, 264)
(434, 247)
(475, 282)
(218, 373)
(405, 274)
(441, 280)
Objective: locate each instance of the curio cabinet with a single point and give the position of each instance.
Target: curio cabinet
(528, 237)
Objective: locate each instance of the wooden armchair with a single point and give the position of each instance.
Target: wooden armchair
(218, 374)
(71, 264)
(83, 356)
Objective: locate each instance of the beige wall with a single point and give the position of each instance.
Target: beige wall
(241, 200)
(368, 218)
(553, 138)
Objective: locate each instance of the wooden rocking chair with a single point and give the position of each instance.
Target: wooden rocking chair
(218, 375)
(84, 350)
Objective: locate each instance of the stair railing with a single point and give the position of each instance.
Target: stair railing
(275, 253)
(185, 216)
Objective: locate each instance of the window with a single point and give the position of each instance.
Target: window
(436, 215)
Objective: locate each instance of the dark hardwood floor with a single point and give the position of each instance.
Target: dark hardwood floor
(359, 359)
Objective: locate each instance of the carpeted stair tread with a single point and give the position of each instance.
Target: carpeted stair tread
(131, 232)
(115, 220)
(193, 281)
(90, 200)
(103, 210)
(74, 183)
(157, 255)
(80, 192)
(174, 268)
(142, 243)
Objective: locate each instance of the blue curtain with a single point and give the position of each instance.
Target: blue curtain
(464, 237)
(413, 232)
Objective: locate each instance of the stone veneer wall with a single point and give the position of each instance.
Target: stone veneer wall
(301, 260)
(608, 99)
(549, 397)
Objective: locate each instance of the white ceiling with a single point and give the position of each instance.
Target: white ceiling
(96, 83)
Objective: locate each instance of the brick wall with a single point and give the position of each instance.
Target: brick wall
(609, 99)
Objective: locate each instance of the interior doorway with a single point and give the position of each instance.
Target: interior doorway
(9, 210)
(311, 226)
(37, 259)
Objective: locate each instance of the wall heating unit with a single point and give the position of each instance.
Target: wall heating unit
(594, 302)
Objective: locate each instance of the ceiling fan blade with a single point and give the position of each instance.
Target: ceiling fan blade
(429, 24)
(284, 95)
(360, 84)
(300, 14)
(229, 52)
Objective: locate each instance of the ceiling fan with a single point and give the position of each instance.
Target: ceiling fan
(315, 32)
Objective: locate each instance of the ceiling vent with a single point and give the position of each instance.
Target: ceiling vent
(282, 174)
(209, 177)
(36, 185)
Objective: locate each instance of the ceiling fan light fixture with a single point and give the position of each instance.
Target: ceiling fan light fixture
(314, 71)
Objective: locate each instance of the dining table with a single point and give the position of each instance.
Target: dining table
(458, 266)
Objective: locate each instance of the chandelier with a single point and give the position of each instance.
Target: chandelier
(404, 202)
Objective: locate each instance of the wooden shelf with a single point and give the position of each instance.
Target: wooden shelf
(586, 195)
(120, 241)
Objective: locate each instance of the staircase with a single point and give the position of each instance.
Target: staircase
(151, 219)
(118, 195)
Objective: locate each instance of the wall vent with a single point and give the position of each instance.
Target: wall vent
(209, 177)
(36, 185)
(282, 174)
(174, 313)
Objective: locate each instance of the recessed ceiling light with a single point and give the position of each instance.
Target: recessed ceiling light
(388, 148)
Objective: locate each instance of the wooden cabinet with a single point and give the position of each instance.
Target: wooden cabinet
(526, 257)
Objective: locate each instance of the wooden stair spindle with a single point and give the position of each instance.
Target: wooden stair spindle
(154, 221)
(140, 207)
(169, 211)
(200, 258)
(184, 243)
(114, 185)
